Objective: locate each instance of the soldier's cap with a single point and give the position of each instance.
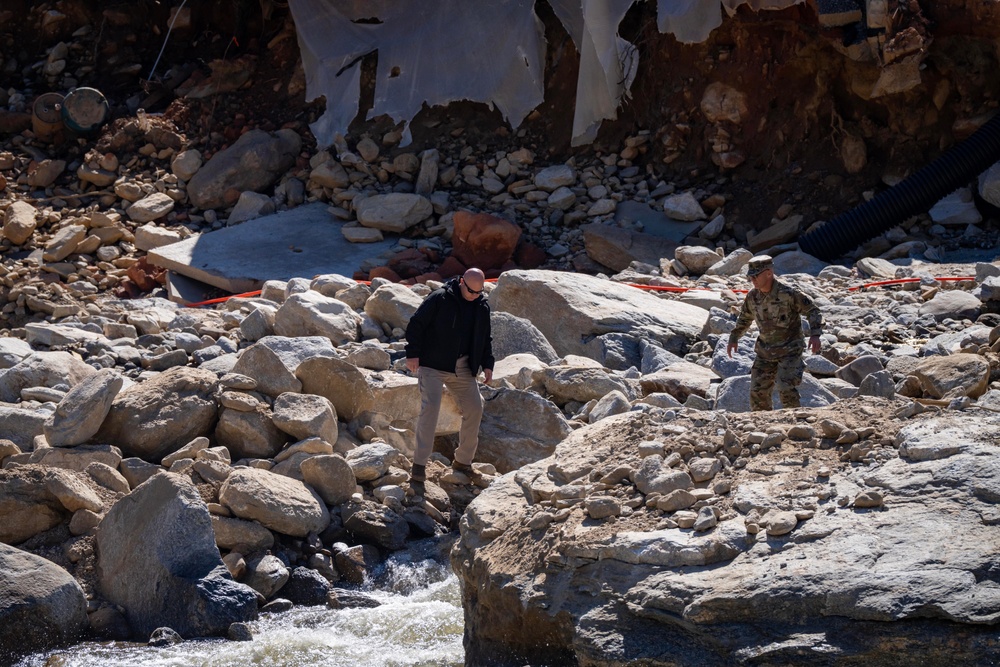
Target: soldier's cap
(759, 264)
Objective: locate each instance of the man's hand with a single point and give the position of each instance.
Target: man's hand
(730, 348)
(814, 344)
(412, 364)
(488, 374)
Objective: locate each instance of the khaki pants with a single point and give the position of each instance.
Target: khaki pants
(463, 385)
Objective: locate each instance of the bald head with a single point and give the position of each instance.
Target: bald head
(472, 283)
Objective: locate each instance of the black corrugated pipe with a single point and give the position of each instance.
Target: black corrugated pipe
(915, 194)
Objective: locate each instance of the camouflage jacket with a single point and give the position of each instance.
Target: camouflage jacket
(777, 314)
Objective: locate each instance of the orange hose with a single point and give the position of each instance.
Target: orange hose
(652, 288)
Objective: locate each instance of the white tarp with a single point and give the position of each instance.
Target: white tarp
(428, 52)
(608, 63)
(493, 51)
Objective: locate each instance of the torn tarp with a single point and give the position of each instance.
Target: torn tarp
(608, 63)
(428, 52)
(489, 51)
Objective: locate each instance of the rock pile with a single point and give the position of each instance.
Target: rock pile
(281, 426)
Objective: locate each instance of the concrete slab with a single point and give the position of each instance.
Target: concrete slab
(300, 243)
(656, 223)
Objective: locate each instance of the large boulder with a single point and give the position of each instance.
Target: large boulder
(254, 162)
(41, 605)
(357, 393)
(157, 559)
(898, 559)
(617, 247)
(159, 416)
(395, 212)
(42, 369)
(483, 240)
(393, 304)
(961, 374)
(312, 314)
(22, 425)
(34, 499)
(283, 504)
(572, 309)
(519, 427)
(516, 335)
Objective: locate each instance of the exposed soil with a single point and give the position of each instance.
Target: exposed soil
(800, 90)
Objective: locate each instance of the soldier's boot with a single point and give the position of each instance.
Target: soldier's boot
(790, 398)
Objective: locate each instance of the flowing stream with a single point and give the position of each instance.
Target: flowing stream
(418, 623)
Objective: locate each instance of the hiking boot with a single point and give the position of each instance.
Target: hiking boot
(418, 473)
(461, 467)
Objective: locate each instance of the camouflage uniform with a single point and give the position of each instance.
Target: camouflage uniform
(780, 344)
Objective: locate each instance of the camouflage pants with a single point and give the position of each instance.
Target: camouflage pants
(784, 371)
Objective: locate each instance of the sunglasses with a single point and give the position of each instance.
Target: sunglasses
(472, 291)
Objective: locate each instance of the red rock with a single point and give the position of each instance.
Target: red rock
(433, 275)
(451, 267)
(410, 262)
(383, 272)
(493, 274)
(529, 256)
(360, 276)
(483, 240)
(145, 276)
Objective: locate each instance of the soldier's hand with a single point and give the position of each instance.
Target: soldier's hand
(412, 364)
(488, 375)
(730, 348)
(814, 345)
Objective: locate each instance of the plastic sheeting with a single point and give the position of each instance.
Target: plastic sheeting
(492, 51)
(428, 52)
(608, 63)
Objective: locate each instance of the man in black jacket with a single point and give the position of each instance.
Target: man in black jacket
(448, 341)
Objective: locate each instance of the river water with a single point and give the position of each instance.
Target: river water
(418, 623)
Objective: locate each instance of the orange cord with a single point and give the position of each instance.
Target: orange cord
(652, 288)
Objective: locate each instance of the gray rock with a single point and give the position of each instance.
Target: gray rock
(395, 212)
(371, 461)
(42, 369)
(519, 427)
(683, 206)
(331, 476)
(377, 524)
(954, 304)
(554, 177)
(82, 410)
(250, 434)
(157, 545)
(571, 309)
(613, 403)
(267, 575)
(22, 425)
(306, 587)
(152, 207)
(312, 314)
(517, 335)
(878, 384)
(616, 247)
(43, 606)
(254, 162)
(859, 369)
(734, 394)
(156, 417)
(305, 416)
(240, 535)
(393, 304)
(283, 504)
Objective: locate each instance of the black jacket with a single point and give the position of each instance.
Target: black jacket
(432, 333)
